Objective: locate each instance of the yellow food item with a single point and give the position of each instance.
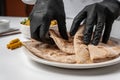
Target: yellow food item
(27, 22)
(13, 44)
(8, 46)
(14, 41)
(53, 23)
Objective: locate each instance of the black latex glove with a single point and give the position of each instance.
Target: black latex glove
(40, 18)
(100, 14)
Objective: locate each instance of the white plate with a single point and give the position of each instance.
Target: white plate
(71, 66)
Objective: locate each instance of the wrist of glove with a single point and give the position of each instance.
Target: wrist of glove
(101, 15)
(43, 13)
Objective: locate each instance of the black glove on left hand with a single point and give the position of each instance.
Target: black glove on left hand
(99, 14)
(41, 16)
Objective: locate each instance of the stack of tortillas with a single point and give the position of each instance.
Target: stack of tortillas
(73, 50)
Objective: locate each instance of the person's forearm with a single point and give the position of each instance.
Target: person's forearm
(31, 2)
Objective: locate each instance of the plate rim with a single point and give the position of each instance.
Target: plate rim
(70, 66)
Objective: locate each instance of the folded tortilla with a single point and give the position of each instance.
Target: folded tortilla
(64, 45)
(103, 53)
(81, 50)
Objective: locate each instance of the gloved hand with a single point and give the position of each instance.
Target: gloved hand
(100, 14)
(40, 18)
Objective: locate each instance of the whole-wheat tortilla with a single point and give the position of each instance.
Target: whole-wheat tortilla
(103, 53)
(64, 45)
(49, 52)
(81, 50)
(74, 51)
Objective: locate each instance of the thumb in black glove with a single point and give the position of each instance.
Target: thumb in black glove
(43, 13)
(99, 14)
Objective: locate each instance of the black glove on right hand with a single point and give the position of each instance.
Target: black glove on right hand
(41, 16)
(99, 14)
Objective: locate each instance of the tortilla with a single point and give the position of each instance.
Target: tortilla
(73, 51)
(81, 50)
(64, 45)
(49, 52)
(102, 53)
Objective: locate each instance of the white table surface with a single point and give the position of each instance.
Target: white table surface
(14, 65)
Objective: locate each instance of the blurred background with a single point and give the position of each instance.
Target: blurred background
(14, 8)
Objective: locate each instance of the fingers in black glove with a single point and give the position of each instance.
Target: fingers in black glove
(101, 17)
(108, 28)
(62, 26)
(90, 21)
(77, 20)
(44, 29)
(100, 14)
(41, 16)
(40, 27)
